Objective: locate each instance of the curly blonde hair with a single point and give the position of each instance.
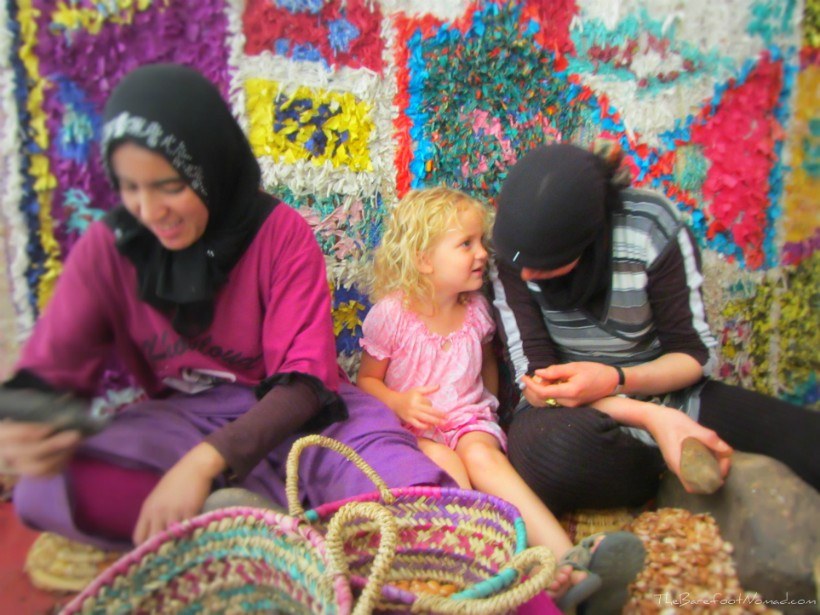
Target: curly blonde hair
(412, 227)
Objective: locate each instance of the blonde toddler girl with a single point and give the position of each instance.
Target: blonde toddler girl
(427, 356)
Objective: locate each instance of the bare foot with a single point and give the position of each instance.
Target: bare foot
(562, 581)
(567, 577)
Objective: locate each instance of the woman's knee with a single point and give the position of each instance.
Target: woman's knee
(37, 501)
(26, 502)
(580, 457)
(558, 433)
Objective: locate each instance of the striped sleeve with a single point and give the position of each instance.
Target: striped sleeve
(524, 337)
(674, 287)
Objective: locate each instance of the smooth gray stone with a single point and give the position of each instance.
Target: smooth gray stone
(772, 518)
(237, 496)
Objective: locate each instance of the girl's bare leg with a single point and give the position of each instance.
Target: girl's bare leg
(490, 471)
(447, 459)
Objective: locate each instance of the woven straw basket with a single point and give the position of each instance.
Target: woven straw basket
(55, 563)
(473, 541)
(241, 560)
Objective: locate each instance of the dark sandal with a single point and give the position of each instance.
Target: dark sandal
(616, 561)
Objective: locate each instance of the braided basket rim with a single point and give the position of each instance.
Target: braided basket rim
(442, 495)
(126, 565)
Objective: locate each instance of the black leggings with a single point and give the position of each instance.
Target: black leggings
(580, 458)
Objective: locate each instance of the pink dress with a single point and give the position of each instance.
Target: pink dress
(418, 357)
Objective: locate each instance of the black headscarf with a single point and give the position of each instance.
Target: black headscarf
(555, 206)
(177, 113)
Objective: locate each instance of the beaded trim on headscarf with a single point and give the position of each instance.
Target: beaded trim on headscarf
(128, 125)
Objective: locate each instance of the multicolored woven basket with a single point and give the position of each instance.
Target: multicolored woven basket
(471, 540)
(242, 560)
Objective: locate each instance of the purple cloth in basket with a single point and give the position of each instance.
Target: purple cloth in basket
(155, 433)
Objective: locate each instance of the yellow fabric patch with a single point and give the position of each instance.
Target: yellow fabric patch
(309, 124)
(71, 18)
(801, 217)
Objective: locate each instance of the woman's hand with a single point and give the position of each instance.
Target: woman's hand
(415, 408)
(584, 382)
(35, 449)
(534, 391)
(571, 384)
(670, 427)
(180, 494)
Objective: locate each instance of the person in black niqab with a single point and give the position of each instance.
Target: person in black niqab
(597, 296)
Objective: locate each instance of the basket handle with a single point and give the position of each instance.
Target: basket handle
(292, 481)
(384, 554)
(540, 558)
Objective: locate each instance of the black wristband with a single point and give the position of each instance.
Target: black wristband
(621, 380)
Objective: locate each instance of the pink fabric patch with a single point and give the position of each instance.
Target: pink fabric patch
(107, 498)
(741, 135)
(541, 604)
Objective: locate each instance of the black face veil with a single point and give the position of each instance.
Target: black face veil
(177, 113)
(555, 207)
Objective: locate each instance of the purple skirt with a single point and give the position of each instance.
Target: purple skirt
(156, 433)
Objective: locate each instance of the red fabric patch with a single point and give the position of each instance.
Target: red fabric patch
(554, 17)
(739, 141)
(264, 23)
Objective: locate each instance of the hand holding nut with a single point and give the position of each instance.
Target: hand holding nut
(549, 402)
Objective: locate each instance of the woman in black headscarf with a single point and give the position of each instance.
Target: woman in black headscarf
(215, 297)
(597, 291)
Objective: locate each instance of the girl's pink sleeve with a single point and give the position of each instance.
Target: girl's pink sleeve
(379, 329)
(484, 318)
